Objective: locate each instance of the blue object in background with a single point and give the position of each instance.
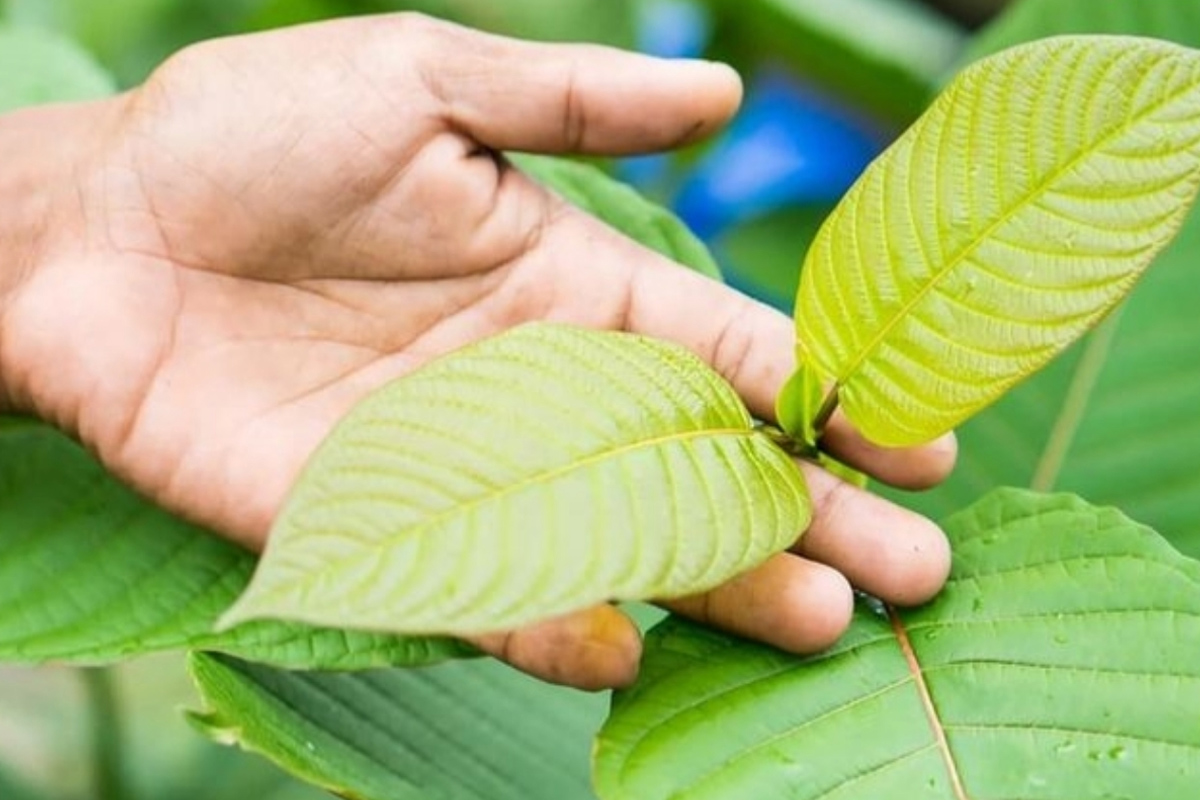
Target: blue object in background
(789, 148)
(789, 145)
(668, 29)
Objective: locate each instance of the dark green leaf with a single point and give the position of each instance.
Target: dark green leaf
(1059, 664)
(463, 731)
(91, 573)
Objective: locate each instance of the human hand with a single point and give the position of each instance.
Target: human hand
(272, 226)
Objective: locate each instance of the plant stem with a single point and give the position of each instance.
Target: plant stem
(106, 734)
(825, 412)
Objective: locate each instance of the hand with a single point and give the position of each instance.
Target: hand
(274, 225)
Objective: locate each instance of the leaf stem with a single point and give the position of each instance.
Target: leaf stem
(106, 734)
(787, 443)
(825, 412)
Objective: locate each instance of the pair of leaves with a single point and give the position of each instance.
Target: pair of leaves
(1058, 663)
(997, 230)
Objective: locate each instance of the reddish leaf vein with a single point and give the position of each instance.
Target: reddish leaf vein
(939, 733)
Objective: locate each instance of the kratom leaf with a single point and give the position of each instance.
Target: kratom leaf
(885, 54)
(1114, 419)
(1003, 225)
(91, 573)
(39, 67)
(1059, 664)
(525, 476)
(472, 730)
(622, 207)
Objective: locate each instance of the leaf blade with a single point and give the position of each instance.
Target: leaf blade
(622, 207)
(1059, 661)
(1119, 413)
(90, 573)
(457, 731)
(543, 426)
(992, 274)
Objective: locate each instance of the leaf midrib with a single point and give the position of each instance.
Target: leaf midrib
(935, 723)
(974, 243)
(545, 476)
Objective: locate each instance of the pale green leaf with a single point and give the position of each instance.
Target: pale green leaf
(1059, 664)
(622, 207)
(1114, 419)
(884, 54)
(799, 403)
(472, 730)
(525, 476)
(91, 573)
(1003, 225)
(39, 67)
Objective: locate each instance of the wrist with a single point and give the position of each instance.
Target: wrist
(47, 151)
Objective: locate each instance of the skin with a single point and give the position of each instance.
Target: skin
(203, 275)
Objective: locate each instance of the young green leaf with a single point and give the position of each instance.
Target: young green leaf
(541, 471)
(1003, 225)
(91, 573)
(467, 730)
(1059, 663)
(1114, 419)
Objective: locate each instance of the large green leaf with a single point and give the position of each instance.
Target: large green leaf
(91, 573)
(38, 67)
(621, 207)
(1114, 420)
(884, 54)
(1001, 227)
(1059, 664)
(534, 473)
(461, 731)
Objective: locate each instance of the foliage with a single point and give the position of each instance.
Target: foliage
(1016, 681)
(1046, 593)
(1114, 419)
